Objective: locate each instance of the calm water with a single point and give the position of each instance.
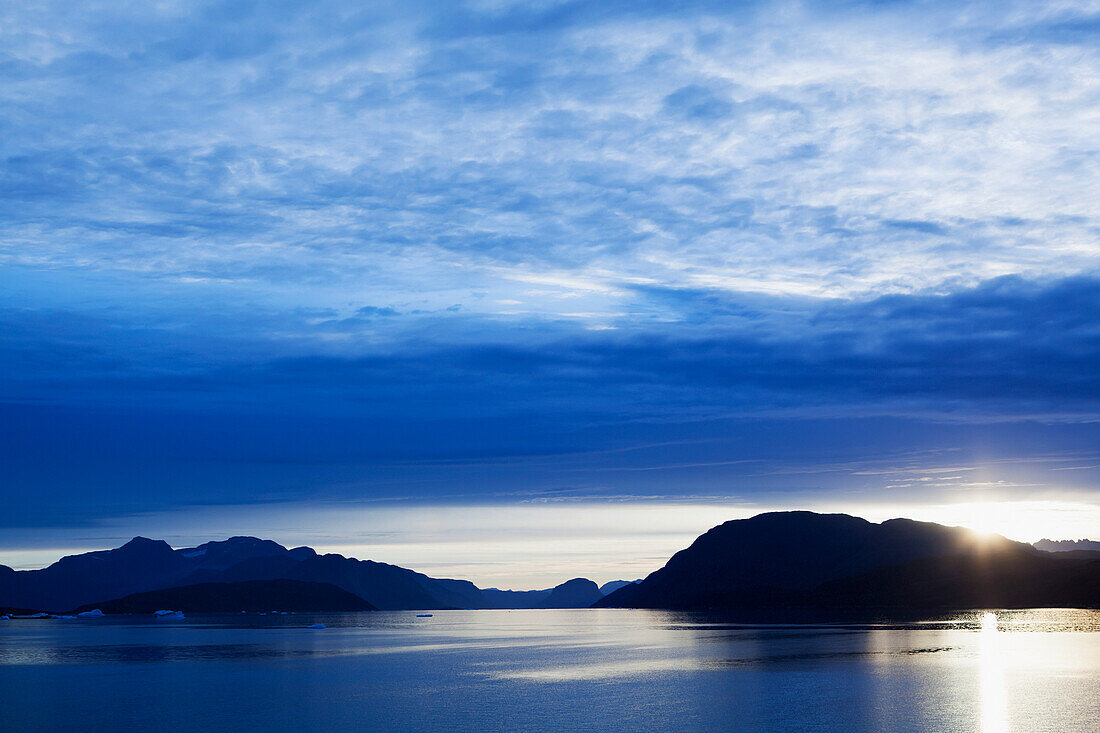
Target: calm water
(550, 670)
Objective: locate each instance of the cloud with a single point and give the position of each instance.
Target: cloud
(330, 144)
(329, 232)
(1008, 347)
(697, 102)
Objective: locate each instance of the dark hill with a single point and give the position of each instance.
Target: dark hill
(613, 585)
(391, 587)
(496, 598)
(779, 559)
(254, 595)
(975, 580)
(140, 564)
(388, 587)
(575, 593)
(256, 568)
(225, 554)
(145, 565)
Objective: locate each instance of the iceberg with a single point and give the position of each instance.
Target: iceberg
(5, 617)
(94, 613)
(165, 613)
(317, 626)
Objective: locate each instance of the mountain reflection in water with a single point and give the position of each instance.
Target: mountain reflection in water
(551, 670)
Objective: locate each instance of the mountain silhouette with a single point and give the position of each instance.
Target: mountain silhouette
(388, 586)
(771, 561)
(613, 585)
(140, 564)
(1006, 579)
(253, 595)
(1067, 545)
(575, 593)
(803, 559)
(225, 554)
(496, 598)
(143, 565)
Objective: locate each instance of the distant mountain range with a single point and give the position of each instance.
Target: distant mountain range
(770, 564)
(614, 585)
(212, 572)
(801, 560)
(1067, 545)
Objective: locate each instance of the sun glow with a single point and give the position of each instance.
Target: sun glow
(532, 545)
(1024, 521)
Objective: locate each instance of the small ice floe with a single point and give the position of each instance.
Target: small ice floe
(423, 615)
(32, 615)
(5, 617)
(62, 615)
(317, 626)
(94, 613)
(165, 613)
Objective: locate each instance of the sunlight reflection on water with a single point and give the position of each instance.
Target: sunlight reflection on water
(994, 698)
(552, 670)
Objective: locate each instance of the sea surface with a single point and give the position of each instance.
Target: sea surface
(566, 670)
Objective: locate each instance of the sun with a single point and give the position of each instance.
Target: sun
(1023, 520)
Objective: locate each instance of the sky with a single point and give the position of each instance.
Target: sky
(518, 292)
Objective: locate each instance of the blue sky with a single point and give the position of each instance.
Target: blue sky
(430, 262)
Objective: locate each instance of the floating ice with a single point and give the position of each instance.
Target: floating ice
(94, 613)
(317, 626)
(165, 613)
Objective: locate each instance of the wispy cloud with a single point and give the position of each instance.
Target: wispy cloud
(234, 236)
(449, 149)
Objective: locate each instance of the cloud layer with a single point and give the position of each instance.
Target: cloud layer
(361, 235)
(544, 154)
